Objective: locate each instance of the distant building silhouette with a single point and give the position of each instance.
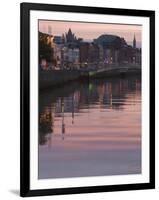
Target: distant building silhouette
(70, 37)
(134, 42)
(49, 30)
(110, 41)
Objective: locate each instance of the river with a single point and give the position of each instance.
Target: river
(90, 128)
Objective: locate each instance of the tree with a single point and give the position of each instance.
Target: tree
(45, 48)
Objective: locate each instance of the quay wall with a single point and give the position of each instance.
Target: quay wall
(56, 77)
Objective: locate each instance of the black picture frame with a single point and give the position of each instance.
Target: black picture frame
(25, 9)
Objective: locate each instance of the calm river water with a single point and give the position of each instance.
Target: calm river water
(90, 129)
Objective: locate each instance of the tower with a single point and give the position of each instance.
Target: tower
(49, 30)
(70, 37)
(134, 42)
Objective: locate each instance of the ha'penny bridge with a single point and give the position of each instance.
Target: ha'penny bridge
(113, 70)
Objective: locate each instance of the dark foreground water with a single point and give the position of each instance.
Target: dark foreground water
(90, 129)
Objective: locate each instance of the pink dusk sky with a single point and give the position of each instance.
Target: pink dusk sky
(89, 31)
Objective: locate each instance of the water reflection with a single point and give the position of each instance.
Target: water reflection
(90, 122)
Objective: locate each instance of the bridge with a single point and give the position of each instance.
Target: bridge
(115, 70)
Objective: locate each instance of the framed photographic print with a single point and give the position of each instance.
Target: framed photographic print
(87, 99)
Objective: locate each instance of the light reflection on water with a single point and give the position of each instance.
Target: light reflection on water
(90, 129)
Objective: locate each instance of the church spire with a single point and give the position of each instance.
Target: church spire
(70, 37)
(134, 42)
